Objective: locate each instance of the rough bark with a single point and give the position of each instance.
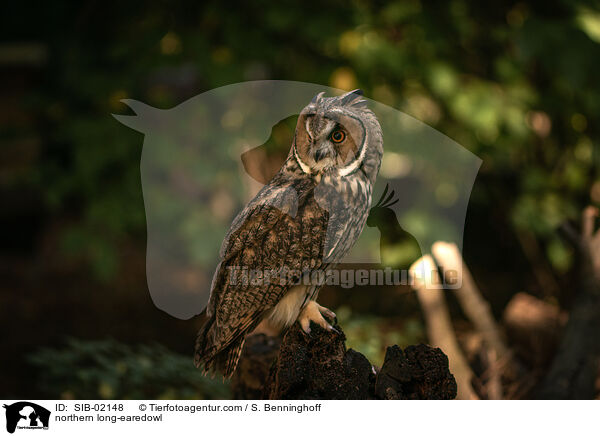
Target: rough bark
(419, 372)
(318, 366)
(259, 353)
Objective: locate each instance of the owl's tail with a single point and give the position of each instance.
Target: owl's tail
(209, 354)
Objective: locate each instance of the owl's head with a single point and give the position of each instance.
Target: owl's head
(338, 134)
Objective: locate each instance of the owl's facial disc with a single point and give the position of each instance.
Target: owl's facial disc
(321, 152)
(327, 141)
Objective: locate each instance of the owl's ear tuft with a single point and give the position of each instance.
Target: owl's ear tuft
(318, 97)
(351, 96)
(359, 103)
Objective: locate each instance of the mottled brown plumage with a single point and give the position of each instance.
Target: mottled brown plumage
(305, 220)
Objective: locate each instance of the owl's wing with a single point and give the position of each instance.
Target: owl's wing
(280, 233)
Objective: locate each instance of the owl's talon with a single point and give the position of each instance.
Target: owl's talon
(312, 313)
(305, 325)
(330, 314)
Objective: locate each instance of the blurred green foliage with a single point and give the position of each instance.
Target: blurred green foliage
(514, 82)
(111, 370)
(371, 335)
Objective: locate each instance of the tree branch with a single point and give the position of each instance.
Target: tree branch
(439, 325)
(575, 366)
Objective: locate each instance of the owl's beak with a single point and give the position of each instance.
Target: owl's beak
(320, 154)
(322, 150)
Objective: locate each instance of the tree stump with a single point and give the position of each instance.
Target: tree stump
(319, 367)
(258, 355)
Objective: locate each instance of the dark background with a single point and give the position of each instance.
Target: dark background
(516, 83)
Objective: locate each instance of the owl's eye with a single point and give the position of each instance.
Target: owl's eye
(338, 136)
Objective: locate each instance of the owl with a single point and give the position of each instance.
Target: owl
(300, 224)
